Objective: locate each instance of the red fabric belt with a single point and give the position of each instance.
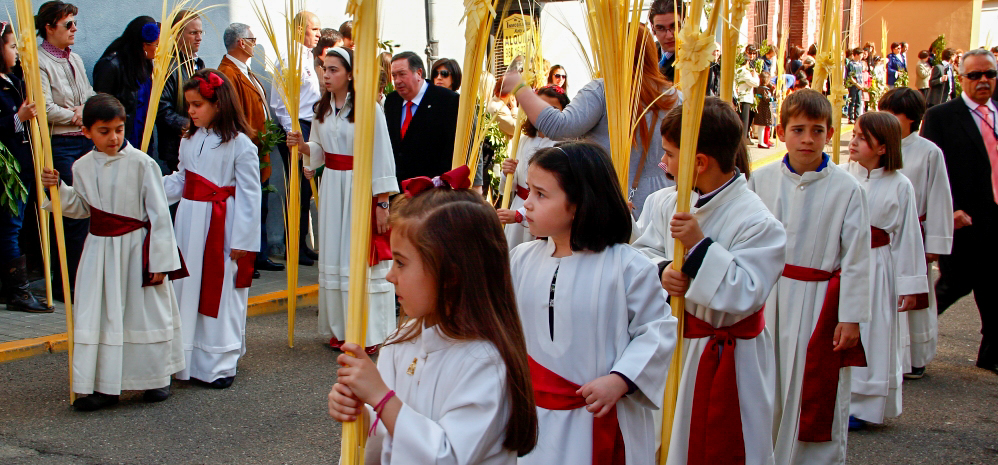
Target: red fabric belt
(199, 189)
(822, 364)
(715, 395)
(552, 392)
(335, 161)
(522, 192)
(105, 224)
(879, 237)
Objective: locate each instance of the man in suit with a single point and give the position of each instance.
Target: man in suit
(941, 79)
(171, 115)
(663, 19)
(422, 120)
(964, 128)
(239, 42)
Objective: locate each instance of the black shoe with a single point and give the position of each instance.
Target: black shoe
(256, 274)
(990, 366)
(303, 260)
(222, 383)
(916, 373)
(156, 395)
(16, 294)
(268, 265)
(95, 401)
(307, 252)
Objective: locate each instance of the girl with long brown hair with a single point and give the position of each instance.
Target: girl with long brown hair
(452, 385)
(217, 183)
(586, 118)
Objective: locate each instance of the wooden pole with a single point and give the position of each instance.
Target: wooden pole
(692, 65)
(32, 76)
(365, 72)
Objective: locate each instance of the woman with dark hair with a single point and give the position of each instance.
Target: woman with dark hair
(895, 64)
(331, 145)
(586, 118)
(794, 61)
(446, 73)
(123, 69)
(557, 76)
(15, 114)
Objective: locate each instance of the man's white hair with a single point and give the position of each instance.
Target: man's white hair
(233, 33)
(977, 52)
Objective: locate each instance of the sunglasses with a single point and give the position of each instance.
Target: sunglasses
(442, 73)
(69, 24)
(561, 76)
(975, 75)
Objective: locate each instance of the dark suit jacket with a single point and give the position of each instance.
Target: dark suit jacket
(951, 127)
(171, 115)
(938, 90)
(428, 146)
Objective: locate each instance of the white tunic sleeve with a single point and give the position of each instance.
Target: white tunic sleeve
(739, 279)
(652, 330)
(317, 153)
(906, 245)
(939, 206)
(173, 183)
(472, 418)
(73, 204)
(854, 244)
(163, 253)
(383, 179)
(245, 234)
(655, 240)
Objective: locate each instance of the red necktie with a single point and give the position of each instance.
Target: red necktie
(990, 144)
(408, 118)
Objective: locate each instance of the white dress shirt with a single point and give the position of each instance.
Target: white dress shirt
(308, 95)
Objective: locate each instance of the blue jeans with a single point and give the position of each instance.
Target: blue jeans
(65, 151)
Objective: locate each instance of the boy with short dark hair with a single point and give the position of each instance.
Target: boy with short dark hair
(126, 321)
(925, 167)
(735, 255)
(854, 79)
(816, 307)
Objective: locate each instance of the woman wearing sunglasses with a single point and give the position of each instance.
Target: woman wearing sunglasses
(557, 76)
(446, 73)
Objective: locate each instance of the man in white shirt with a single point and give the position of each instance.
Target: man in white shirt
(310, 93)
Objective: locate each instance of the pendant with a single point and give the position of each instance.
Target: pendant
(412, 367)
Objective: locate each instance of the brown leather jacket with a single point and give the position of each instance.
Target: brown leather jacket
(254, 105)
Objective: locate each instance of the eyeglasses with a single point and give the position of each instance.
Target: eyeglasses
(975, 75)
(662, 28)
(251, 39)
(561, 76)
(442, 73)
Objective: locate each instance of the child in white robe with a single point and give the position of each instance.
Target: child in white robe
(898, 260)
(452, 385)
(736, 252)
(599, 330)
(824, 211)
(331, 145)
(532, 140)
(126, 321)
(925, 167)
(218, 228)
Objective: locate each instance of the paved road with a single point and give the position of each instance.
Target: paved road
(275, 412)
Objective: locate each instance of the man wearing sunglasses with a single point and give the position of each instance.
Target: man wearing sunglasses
(964, 128)
(66, 88)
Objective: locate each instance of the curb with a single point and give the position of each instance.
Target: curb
(265, 304)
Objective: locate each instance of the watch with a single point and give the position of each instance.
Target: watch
(383, 205)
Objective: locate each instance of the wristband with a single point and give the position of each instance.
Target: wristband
(377, 411)
(518, 87)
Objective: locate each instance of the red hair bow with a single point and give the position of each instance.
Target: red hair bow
(207, 87)
(555, 88)
(457, 178)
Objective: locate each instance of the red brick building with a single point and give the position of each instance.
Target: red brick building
(801, 19)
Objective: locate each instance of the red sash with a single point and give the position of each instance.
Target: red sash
(106, 224)
(552, 392)
(822, 364)
(879, 237)
(922, 300)
(522, 192)
(199, 189)
(715, 395)
(381, 248)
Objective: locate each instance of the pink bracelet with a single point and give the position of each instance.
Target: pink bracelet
(377, 411)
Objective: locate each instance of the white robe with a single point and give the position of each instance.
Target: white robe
(125, 336)
(518, 233)
(455, 403)
(925, 167)
(213, 345)
(736, 276)
(898, 269)
(611, 314)
(828, 227)
(335, 135)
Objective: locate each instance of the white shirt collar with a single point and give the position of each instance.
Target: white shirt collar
(244, 67)
(419, 95)
(973, 105)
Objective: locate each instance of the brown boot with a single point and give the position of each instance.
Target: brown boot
(15, 288)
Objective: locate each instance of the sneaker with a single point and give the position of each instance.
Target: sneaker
(916, 373)
(855, 424)
(156, 395)
(95, 401)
